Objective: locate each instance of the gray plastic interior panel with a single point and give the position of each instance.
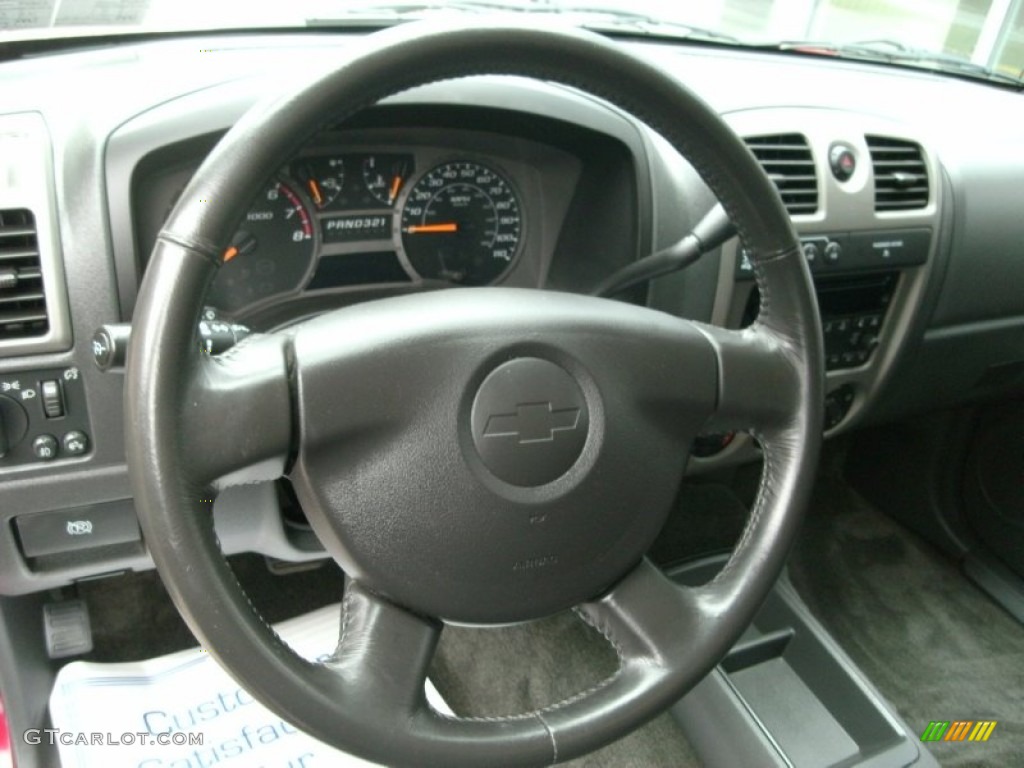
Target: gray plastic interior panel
(1005, 586)
(27, 181)
(985, 276)
(247, 519)
(787, 695)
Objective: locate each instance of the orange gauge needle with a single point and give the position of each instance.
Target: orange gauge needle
(396, 185)
(420, 228)
(314, 189)
(230, 253)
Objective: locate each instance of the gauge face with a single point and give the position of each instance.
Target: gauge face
(322, 178)
(461, 223)
(384, 176)
(269, 254)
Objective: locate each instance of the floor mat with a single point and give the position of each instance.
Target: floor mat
(153, 712)
(936, 646)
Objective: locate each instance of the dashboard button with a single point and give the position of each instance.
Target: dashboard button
(843, 161)
(110, 346)
(45, 447)
(837, 406)
(70, 530)
(832, 252)
(53, 399)
(75, 443)
(892, 248)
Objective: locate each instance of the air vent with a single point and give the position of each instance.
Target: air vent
(787, 160)
(22, 302)
(901, 177)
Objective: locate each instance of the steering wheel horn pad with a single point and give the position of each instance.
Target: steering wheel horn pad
(530, 421)
(370, 411)
(395, 400)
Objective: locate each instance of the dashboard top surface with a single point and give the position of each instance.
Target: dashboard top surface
(729, 79)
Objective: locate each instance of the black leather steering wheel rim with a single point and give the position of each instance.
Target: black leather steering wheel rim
(190, 420)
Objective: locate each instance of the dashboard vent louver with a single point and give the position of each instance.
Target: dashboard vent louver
(22, 301)
(901, 177)
(787, 160)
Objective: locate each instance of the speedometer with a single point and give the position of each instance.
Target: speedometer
(462, 223)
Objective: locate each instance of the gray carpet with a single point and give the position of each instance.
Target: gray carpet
(516, 669)
(936, 646)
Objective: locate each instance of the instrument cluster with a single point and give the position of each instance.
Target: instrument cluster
(330, 218)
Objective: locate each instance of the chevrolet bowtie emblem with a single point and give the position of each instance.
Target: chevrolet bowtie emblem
(532, 423)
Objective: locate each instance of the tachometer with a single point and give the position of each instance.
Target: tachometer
(269, 254)
(462, 223)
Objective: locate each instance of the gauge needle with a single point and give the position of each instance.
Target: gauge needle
(230, 253)
(314, 189)
(396, 184)
(421, 228)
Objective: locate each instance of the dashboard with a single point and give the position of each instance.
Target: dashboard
(415, 207)
(404, 197)
(909, 220)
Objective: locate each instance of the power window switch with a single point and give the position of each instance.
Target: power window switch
(53, 399)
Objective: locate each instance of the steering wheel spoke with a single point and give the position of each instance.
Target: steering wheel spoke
(238, 414)
(657, 628)
(383, 653)
(647, 618)
(757, 388)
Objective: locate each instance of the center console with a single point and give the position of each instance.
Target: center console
(864, 197)
(787, 695)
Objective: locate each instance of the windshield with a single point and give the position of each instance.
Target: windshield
(984, 37)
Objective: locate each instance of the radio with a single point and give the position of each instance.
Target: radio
(855, 276)
(853, 311)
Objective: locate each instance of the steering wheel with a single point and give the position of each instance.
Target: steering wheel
(480, 455)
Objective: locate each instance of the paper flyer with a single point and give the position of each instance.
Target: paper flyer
(150, 714)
